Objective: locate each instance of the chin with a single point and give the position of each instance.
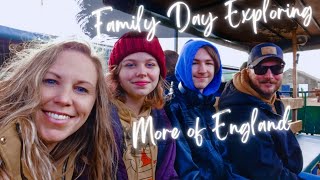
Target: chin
(200, 86)
(143, 93)
(52, 138)
(268, 94)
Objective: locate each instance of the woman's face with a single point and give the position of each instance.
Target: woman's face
(139, 74)
(68, 93)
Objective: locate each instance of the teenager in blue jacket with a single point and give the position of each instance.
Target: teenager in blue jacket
(198, 71)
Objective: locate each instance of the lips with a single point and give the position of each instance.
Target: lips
(201, 78)
(141, 83)
(57, 116)
(267, 84)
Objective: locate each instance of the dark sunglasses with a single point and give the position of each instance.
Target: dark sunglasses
(275, 69)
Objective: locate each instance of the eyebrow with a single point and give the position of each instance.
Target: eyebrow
(86, 82)
(78, 82)
(150, 59)
(204, 60)
(55, 74)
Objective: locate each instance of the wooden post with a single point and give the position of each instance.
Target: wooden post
(294, 73)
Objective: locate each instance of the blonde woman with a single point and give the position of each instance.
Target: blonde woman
(54, 121)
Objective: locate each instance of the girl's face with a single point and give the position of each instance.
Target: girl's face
(139, 74)
(68, 93)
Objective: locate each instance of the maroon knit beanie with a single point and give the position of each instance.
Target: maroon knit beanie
(132, 42)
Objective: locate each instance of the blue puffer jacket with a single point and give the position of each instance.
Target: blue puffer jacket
(266, 155)
(188, 104)
(193, 161)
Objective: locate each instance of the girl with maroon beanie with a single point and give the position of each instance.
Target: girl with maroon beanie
(136, 76)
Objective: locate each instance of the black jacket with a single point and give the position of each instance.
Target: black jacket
(274, 154)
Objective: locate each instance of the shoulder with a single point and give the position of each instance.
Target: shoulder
(230, 91)
(116, 123)
(10, 147)
(9, 136)
(161, 119)
(232, 97)
(172, 106)
(175, 103)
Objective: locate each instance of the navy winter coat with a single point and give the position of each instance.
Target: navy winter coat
(266, 155)
(193, 161)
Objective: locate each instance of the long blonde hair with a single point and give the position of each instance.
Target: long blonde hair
(93, 144)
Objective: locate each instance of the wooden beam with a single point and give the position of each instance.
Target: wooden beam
(295, 20)
(296, 126)
(314, 20)
(294, 103)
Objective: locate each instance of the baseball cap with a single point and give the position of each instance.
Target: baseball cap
(264, 50)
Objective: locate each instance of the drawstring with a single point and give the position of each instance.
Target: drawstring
(170, 94)
(129, 136)
(153, 178)
(135, 157)
(153, 171)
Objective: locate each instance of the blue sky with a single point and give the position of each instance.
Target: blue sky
(57, 17)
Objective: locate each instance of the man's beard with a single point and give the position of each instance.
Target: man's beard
(264, 94)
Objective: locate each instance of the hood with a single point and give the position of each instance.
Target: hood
(231, 96)
(183, 70)
(127, 115)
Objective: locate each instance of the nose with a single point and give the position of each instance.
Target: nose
(141, 71)
(202, 68)
(63, 96)
(268, 74)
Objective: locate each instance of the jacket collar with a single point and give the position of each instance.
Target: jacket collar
(11, 154)
(231, 96)
(195, 98)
